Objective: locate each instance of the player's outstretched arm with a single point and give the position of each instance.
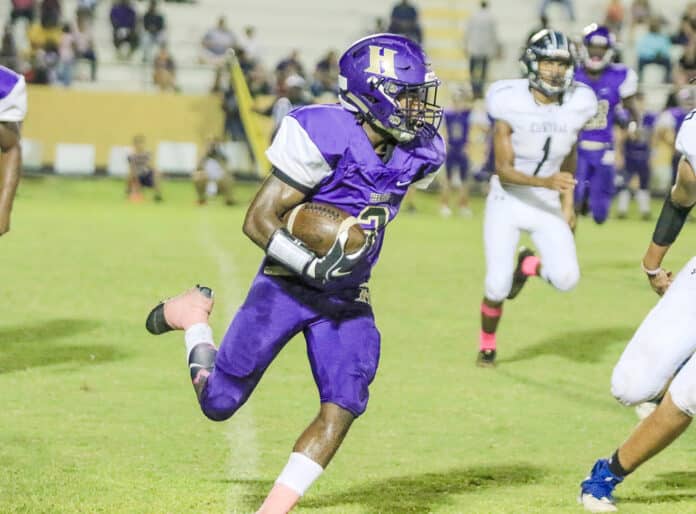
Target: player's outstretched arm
(10, 170)
(674, 212)
(505, 164)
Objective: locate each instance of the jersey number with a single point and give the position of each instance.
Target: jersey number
(547, 146)
(373, 218)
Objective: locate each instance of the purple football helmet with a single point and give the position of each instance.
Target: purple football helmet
(598, 47)
(387, 81)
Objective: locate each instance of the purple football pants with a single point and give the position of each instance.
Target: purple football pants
(343, 344)
(595, 182)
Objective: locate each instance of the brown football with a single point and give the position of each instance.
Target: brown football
(317, 225)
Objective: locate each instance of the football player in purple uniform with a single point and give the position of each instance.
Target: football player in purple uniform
(13, 108)
(614, 85)
(360, 156)
(637, 148)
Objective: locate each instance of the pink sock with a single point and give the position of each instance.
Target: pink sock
(487, 341)
(530, 265)
(280, 500)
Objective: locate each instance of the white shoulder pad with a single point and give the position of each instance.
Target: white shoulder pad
(296, 157)
(629, 86)
(13, 106)
(686, 139)
(501, 95)
(585, 100)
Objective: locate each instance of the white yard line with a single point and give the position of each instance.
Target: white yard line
(240, 430)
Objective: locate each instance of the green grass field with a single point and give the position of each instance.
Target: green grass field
(99, 416)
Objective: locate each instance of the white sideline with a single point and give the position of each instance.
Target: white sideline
(240, 430)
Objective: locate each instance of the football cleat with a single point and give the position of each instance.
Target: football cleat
(519, 278)
(596, 490)
(486, 359)
(182, 311)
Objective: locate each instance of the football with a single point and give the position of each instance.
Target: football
(317, 225)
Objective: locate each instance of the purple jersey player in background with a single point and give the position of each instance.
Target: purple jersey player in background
(668, 123)
(13, 108)
(360, 156)
(459, 119)
(637, 153)
(614, 85)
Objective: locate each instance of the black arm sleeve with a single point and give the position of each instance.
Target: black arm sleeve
(670, 222)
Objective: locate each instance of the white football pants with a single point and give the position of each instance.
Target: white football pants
(506, 217)
(664, 340)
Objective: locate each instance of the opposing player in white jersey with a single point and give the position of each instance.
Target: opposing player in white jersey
(537, 121)
(13, 108)
(654, 358)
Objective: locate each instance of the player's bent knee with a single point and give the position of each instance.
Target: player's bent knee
(683, 392)
(565, 281)
(220, 411)
(630, 387)
(498, 287)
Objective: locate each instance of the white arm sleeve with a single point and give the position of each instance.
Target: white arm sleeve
(296, 157)
(14, 106)
(629, 86)
(686, 139)
(423, 183)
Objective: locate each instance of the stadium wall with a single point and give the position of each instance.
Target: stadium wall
(107, 119)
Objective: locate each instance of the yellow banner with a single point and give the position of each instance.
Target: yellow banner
(256, 130)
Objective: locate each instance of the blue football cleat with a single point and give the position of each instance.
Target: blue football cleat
(596, 490)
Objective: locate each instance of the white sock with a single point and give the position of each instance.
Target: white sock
(643, 199)
(622, 200)
(195, 335)
(299, 473)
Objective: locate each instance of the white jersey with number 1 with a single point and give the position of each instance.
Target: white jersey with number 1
(542, 134)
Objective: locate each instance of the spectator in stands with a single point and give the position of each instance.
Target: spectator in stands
(234, 128)
(687, 26)
(124, 22)
(9, 57)
(212, 176)
(153, 30)
(164, 70)
(84, 41)
(257, 81)
(290, 65)
(614, 17)
(654, 48)
(295, 95)
(42, 36)
(568, 4)
(685, 70)
(249, 43)
(22, 9)
(142, 172)
(86, 6)
(42, 66)
(216, 43)
(50, 13)
(404, 21)
(640, 14)
(481, 44)
(326, 76)
(66, 56)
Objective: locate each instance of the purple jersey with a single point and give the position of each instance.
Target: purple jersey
(457, 126)
(614, 83)
(13, 95)
(322, 151)
(638, 149)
